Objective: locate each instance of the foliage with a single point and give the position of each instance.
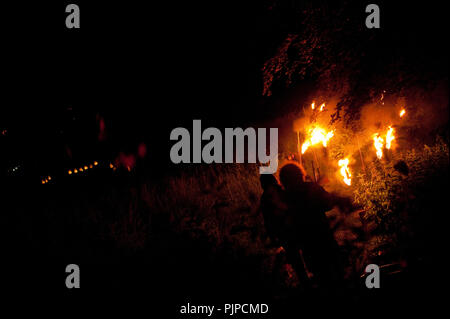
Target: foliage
(397, 201)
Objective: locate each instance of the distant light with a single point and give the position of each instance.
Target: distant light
(111, 165)
(75, 171)
(81, 169)
(90, 166)
(95, 163)
(49, 178)
(43, 182)
(85, 167)
(69, 172)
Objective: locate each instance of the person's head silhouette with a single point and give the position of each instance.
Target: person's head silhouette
(268, 180)
(292, 176)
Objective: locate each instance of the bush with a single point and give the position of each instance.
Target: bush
(398, 194)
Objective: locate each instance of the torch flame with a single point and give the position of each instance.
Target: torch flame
(389, 137)
(378, 143)
(345, 171)
(313, 105)
(402, 112)
(317, 135)
(322, 107)
(305, 146)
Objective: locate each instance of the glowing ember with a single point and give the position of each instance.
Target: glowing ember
(317, 135)
(389, 137)
(345, 171)
(402, 112)
(378, 143)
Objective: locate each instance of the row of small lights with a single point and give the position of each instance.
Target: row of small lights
(82, 169)
(72, 171)
(78, 170)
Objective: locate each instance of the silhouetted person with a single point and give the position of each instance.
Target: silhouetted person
(307, 204)
(280, 225)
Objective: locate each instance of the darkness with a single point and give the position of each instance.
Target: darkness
(148, 67)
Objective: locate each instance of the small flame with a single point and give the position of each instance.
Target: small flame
(345, 171)
(402, 112)
(378, 143)
(305, 146)
(317, 135)
(322, 107)
(313, 105)
(389, 137)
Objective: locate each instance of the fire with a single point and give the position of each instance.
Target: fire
(305, 146)
(389, 137)
(345, 171)
(317, 135)
(313, 106)
(402, 112)
(378, 143)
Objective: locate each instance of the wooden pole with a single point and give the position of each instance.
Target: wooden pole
(299, 148)
(317, 164)
(360, 154)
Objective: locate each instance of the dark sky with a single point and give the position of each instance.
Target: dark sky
(148, 68)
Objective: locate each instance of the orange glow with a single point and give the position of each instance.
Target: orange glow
(86, 167)
(402, 112)
(75, 171)
(345, 171)
(313, 105)
(69, 172)
(90, 166)
(389, 137)
(43, 182)
(81, 169)
(378, 142)
(322, 107)
(317, 135)
(95, 163)
(111, 165)
(49, 178)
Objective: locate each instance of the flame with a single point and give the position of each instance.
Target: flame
(389, 137)
(322, 107)
(345, 171)
(313, 105)
(378, 143)
(402, 112)
(305, 146)
(317, 135)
